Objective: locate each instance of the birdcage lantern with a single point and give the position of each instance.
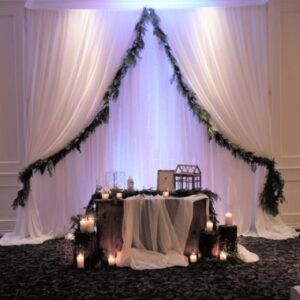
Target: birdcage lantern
(187, 177)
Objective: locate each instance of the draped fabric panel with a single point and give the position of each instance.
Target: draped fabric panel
(153, 236)
(72, 56)
(223, 54)
(150, 126)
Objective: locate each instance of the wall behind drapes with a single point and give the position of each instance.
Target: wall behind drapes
(285, 100)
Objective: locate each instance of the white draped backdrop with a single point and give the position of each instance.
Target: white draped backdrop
(71, 58)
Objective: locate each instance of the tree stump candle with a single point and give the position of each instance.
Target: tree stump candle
(228, 237)
(207, 242)
(86, 244)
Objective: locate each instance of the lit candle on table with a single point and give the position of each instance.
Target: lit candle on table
(209, 226)
(228, 219)
(111, 260)
(166, 194)
(90, 224)
(80, 261)
(223, 256)
(193, 258)
(83, 225)
(105, 195)
(119, 196)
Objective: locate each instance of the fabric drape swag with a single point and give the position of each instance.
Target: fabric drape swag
(65, 85)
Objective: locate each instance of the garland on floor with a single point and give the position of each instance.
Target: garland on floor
(272, 193)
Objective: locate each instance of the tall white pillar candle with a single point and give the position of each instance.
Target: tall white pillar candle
(228, 219)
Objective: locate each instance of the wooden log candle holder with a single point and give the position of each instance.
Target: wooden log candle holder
(228, 238)
(86, 243)
(208, 241)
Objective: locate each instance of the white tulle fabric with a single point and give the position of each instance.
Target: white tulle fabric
(155, 237)
(72, 57)
(155, 233)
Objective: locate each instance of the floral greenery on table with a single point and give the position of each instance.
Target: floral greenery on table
(178, 193)
(272, 193)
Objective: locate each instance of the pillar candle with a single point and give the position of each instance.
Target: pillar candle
(223, 256)
(105, 195)
(90, 224)
(111, 260)
(209, 226)
(83, 225)
(228, 219)
(166, 194)
(80, 261)
(193, 258)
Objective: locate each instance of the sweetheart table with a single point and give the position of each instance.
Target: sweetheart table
(150, 232)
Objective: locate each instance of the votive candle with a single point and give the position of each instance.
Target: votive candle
(228, 219)
(166, 194)
(223, 256)
(209, 226)
(119, 196)
(80, 261)
(193, 258)
(111, 260)
(105, 195)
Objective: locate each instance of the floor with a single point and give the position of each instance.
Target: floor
(46, 272)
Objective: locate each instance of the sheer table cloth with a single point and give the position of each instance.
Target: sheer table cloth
(154, 237)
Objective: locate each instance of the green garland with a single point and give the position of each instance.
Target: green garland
(91, 207)
(272, 193)
(178, 193)
(102, 117)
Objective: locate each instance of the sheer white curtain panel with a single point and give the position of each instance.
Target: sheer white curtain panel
(223, 54)
(150, 126)
(71, 58)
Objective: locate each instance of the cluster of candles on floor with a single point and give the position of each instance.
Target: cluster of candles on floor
(87, 225)
(194, 257)
(209, 228)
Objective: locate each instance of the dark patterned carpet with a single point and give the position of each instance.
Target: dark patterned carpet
(45, 272)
